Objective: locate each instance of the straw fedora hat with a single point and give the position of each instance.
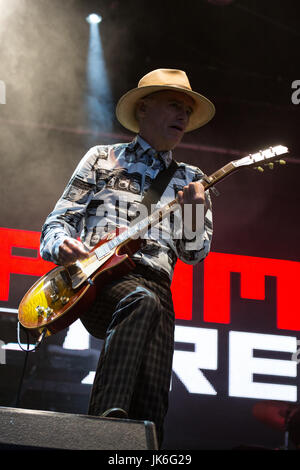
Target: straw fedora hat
(163, 79)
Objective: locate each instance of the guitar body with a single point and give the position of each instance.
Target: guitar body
(52, 303)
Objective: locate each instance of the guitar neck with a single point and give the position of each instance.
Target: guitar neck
(262, 157)
(159, 214)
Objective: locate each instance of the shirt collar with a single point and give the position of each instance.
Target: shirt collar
(165, 157)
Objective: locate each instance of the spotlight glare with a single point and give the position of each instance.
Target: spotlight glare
(93, 18)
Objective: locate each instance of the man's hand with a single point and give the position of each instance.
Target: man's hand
(70, 251)
(192, 194)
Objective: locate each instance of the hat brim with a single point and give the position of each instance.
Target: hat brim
(203, 112)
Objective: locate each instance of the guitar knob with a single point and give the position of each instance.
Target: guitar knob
(40, 310)
(48, 311)
(64, 300)
(54, 297)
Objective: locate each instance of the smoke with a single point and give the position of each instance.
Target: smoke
(43, 54)
(40, 63)
(99, 102)
(43, 69)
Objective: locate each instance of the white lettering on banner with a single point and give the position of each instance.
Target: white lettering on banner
(242, 366)
(77, 337)
(89, 379)
(187, 364)
(2, 353)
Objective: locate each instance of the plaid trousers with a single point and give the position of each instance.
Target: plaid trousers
(135, 363)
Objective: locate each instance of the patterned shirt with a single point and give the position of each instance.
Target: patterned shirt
(104, 192)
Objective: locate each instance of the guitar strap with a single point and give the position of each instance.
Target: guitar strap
(158, 186)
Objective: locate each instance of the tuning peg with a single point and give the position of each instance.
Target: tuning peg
(271, 165)
(282, 162)
(259, 168)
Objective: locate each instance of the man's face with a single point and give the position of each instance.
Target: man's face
(163, 118)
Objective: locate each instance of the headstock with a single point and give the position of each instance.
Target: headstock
(263, 158)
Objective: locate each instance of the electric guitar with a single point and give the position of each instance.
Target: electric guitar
(59, 297)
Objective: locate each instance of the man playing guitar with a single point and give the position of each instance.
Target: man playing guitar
(133, 375)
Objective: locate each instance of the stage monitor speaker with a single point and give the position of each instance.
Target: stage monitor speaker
(34, 429)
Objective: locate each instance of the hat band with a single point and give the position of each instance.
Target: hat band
(169, 84)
